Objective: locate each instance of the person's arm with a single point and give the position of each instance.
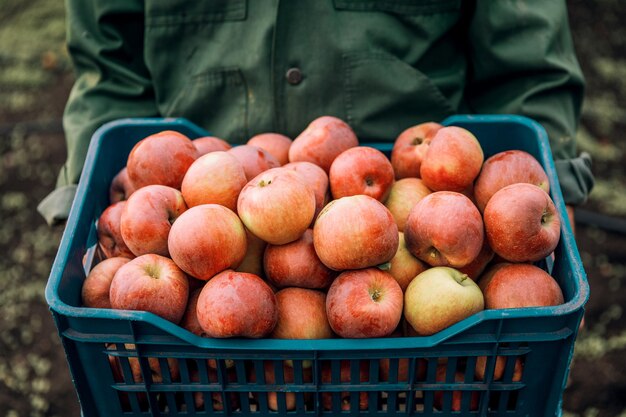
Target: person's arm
(522, 61)
(105, 42)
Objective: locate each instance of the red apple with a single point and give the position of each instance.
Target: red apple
(317, 179)
(95, 289)
(151, 283)
(253, 261)
(506, 168)
(404, 194)
(301, 315)
(499, 368)
(237, 304)
(148, 216)
(410, 147)
(364, 303)
(277, 206)
(355, 232)
(296, 264)
(214, 178)
(116, 368)
(345, 376)
(521, 223)
(469, 193)
(276, 144)
(207, 239)
(445, 229)
(399, 370)
(154, 367)
(491, 269)
(514, 285)
(207, 144)
(475, 268)
(322, 140)
(404, 266)
(215, 397)
(110, 239)
(453, 160)
(254, 160)
(440, 297)
(121, 188)
(361, 170)
(162, 158)
(156, 371)
(118, 376)
(457, 396)
(287, 376)
(189, 321)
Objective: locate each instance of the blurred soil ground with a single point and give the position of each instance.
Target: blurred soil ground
(35, 79)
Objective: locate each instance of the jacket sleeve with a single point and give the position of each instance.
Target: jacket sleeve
(105, 43)
(522, 61)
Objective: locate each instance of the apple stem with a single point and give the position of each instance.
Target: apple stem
(152, 270)
(417, 140)
(544, 217)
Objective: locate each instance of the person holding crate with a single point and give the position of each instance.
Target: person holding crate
(238, 68)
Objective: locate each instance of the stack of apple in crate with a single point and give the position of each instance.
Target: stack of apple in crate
(322, 237)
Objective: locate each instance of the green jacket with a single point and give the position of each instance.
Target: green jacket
(242, 67)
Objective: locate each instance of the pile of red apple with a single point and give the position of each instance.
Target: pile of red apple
(321, 237)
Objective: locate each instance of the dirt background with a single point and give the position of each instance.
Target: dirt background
(35, 80)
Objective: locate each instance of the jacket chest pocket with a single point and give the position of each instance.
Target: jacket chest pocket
(216, 100)
(176, 12)
(185, 45)
(404, 7)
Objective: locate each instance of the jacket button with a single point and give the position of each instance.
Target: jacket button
(294, 76)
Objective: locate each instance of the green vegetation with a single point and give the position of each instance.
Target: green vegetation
(32, 53)
(28, 249)
(32, 49)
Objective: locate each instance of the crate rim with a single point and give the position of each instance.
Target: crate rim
(577, 302)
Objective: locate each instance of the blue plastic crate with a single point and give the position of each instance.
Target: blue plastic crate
(139, 342)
